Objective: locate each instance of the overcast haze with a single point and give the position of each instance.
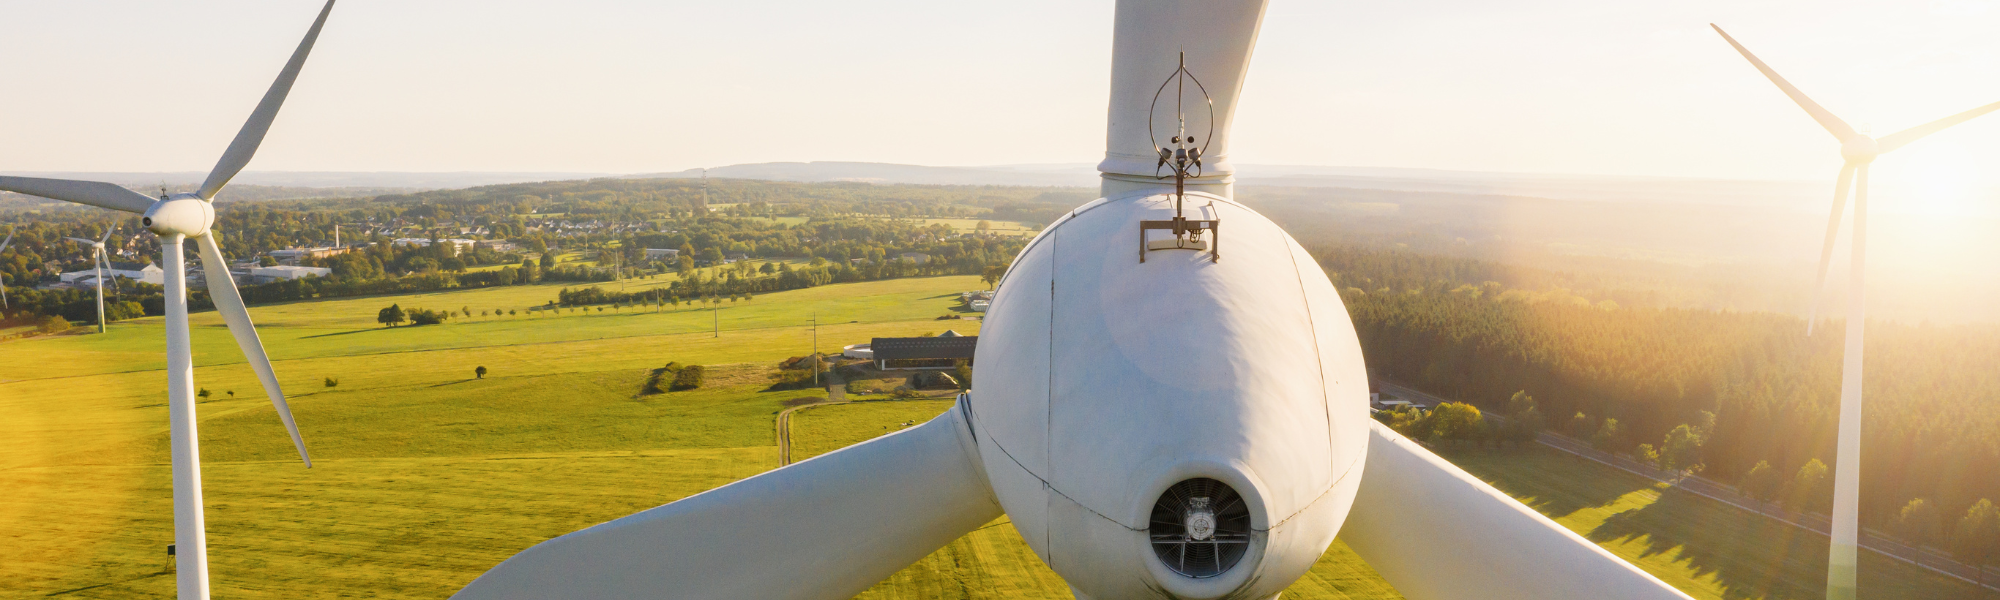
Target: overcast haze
(629, 86)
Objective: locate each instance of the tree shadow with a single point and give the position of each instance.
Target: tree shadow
(1554, 484)
(344, 333)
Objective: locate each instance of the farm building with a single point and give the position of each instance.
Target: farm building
(941, 352)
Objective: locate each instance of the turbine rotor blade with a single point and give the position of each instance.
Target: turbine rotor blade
(107, 235)
(1901, 138)
(222, 290)
(94, 193)
(1840, 188)
(1833, 124)
(82, 241)
(1492, 547)
(252, 135)
(827, 527)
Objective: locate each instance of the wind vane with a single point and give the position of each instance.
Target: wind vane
(1182, 157)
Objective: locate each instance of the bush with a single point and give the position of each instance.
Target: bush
(688, 378)
(332, 381)
(420, 316)
(52, 324)
(857, 387)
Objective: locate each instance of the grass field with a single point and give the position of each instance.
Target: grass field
(1703, 547)
(425, 476)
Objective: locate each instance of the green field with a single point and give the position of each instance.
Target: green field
(1705, 548)
(425, 476)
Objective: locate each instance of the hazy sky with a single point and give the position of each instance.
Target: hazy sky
(1563, 86)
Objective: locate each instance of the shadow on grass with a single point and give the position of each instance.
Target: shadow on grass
(345, 333)
(1539, 478)
(1690, 537)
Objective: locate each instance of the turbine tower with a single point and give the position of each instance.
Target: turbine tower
(1857, 150)
(97, 261)
(3, 281)
(176, 218)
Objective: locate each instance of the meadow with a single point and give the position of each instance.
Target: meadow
(426, 475)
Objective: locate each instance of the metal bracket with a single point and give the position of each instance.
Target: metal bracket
(1187, 236)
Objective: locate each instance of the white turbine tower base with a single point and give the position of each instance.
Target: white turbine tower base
(176, 218)
(1857, 150)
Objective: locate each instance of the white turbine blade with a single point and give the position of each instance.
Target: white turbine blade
(82, 241)
(222, 290)
(9, 241)
(107, 235)
(1436, 532)
(1833, 124)
(252, 135)
(1840, 187)
(1901, 138)
(828, 527)
(94, 193)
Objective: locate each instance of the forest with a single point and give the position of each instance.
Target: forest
(1482, 332)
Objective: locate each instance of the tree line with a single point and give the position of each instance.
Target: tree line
(1751, 388)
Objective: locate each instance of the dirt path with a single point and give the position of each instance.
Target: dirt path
(836, 393)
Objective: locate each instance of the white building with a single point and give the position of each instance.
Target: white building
(662, 254)
(147, 273)
(266, 274)
(458, 246)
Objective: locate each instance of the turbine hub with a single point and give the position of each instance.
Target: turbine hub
(1859, 150)
(183, 214)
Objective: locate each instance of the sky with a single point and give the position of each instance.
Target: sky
(634, 86)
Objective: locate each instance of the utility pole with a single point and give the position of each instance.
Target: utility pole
(815, 348)
(704, 190)
(715, 311)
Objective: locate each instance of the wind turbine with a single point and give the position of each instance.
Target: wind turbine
(1179, 427)
(3, 281)
(175, 218)
(1857, 150)
(97, 261)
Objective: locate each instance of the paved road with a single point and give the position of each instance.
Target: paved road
(1927, 558)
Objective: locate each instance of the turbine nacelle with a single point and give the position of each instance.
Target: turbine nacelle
(180, 214)
(1860, 150)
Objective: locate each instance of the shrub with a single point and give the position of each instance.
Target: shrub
(689, 377)
(332, 382)
(52, 324)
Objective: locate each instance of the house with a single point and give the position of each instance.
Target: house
(498, 245)
(941, 352)
(269, 274)
(147, 273)
(916, 257)
(667, 254)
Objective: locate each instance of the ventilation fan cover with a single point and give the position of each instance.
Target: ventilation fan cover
(1200, 528)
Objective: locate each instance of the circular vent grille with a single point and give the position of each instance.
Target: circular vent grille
(1200, 528)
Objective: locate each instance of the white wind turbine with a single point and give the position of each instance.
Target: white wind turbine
(175, 218)
(3, 282)
(1857, 150)
(97, 261)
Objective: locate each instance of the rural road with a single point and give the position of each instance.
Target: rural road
(836, 393)
(1927, 558)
